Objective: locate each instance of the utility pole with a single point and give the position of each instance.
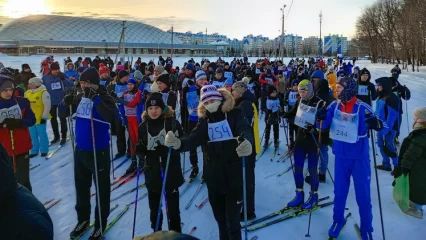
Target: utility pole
(282, 34)
(320, 48)
(123, 28)
(171, 54)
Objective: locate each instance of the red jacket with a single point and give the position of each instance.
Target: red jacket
(45, 66)
(263, 79)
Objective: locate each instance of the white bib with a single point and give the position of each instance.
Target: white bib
(220, 131)
(269, 80)
(228, 75)
(56, 86)
(344, 126)
(148, 87)
(165, 97)
(218, 84)
(84, 108)
(12, 112)
(362, 90)
(129, 111)
(185, 82)
(292, 97)
(305, 115)
(273, 105)
(192, 100)
(153, 140)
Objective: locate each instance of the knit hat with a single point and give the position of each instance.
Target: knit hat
(306, 85)
(420, 115)
(205, 66)
(90, 75)
(138, 75)
(6, 83)
(164, 78)
(200, 74)
(132, 81)
(150, 68)
(240, 87)
(36, 81)
(219, 70)
(168, 67)
(159, 69)
(271, 89)
(25, 66)
(54, 66)
(103, 69)
(229, 82)
(190, 66)
(155, 99)
(350, 89)
(209, 92)
(122, 74)
(295, 82)
(317, 74)
(246, 80)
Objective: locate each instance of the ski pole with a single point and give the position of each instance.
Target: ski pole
(96, 169)
(13, 150)
(291, 160)
(70, 123)
(136, 200)
(241, 139)
(406, 110)
(163, 190)
(111, 151)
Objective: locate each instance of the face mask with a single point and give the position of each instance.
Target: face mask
(212, 107)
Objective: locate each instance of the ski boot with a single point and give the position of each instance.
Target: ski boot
(96, 234)
(250, 216)
(63, 141)
(297, 200)
(33, 155)
(194, 173)
(276, 144)
(321, 177)
(311, 202)
(43, 155)
(119, 155)
(383, 167)
(366, 236)
(55, 140)
(335, 229)
(265, 146)
(414, 211)
(79, 229)
(132, 168)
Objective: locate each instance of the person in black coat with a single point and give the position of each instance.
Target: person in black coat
(402, 92)
(246, 102)
(219, 126)
(157, 121)
(169, 96)
(22, 216)
(366, 90)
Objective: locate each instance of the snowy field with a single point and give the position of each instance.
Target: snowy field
(54, 180)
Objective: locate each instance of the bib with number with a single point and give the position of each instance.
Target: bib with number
(12, 112)
(165, 97)
(292, 97)
(218, 84)
(102, 82)
(154, 140)
(344, 126)
(362, 90)
(257, 71)
(147, 87)
(129, 111)
(273, 104)
(220, 131)
(270, 81)
(56, 86)
(84, 108)
(119, 89)
(192, 100)
(185, 82)
(228, 75)
(305, 115)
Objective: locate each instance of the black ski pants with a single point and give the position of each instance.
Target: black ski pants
(54, 123)
(84, 172)
(193, 156)
(226, 210)
(120, 132)
(276, 127)
(173, 209)
(250, 185)
(22, 173)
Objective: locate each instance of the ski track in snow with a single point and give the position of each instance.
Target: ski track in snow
(272, 193)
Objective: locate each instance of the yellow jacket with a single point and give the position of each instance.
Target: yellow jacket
(331, 77)
(40, 102)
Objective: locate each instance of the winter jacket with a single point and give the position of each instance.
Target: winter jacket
(45, 67)
(366, 90)
(153, 154)
(119, 88)
(332, 79)
(22, 216)
(193, 92)
(134, 102)
(40, 102)
(57, 86)
(72, 72)
(360, 149)
(222, 167)
(412, 160)
(26, 76)
(170, 98)
(103, 114)
(266, 79)
(21, 136)
(244, 103)
(387, 105)
(402, 92)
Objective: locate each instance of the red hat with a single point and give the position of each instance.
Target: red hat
(103, 69)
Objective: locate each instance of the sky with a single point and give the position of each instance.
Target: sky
(233, 18)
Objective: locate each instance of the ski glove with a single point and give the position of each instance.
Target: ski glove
(172, 141)
(244, 149)
(90, 93)
(68, 100)
(322, 114)
(11, 123)
(43, 121)
(372, 122)
(113, 94)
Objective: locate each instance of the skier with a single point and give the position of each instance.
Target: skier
(26, 74)
(396, 71)
(169, 96)
(71, 72)
(16, 117)
(355, 74)
(219, 79)
(331, 77)
(219, 126)
(304, 114)
(272, 116)
(246, 102)
(40, 104)
(366, 90)
(349, 120)
(402, 92)
(95, 108)
(289, 102)
(387, 109)
(56, 84)
(266, 79)
(105, 79)
(157, 121)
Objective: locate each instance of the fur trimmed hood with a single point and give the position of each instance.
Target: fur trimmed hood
(226, 106)
(170, 113)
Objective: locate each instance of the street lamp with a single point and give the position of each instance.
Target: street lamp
(282, 28)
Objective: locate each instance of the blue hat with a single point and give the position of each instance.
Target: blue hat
(350, 89)
(190, 66)
(200, 74)
(229, 82)
(132, 81)
(295, 82)
(317, 74)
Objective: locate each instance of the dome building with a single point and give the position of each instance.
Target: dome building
(52, 34)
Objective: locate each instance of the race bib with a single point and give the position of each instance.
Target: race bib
(102, 82)
(220, 131)
(228, 75)
(84, 108)
(362, 90)
(273, 105)
(154, 140)
(257, 71)
(12, 112)
(192, 100)
(56, 86)
(148, 87)
(251, 87)
(129, 111)
(292, 97)
(269, 80)
(218, 84)
(344, 127)
(119, 89)
(305, 115)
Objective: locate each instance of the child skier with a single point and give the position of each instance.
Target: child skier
(40, 104)
(272, 116)
(219, 126)
(366, 90)
(219, 79)
(16, 117)
(289, 102)
(169, 96)
(350, 120)
(157, 121)
(97, 106)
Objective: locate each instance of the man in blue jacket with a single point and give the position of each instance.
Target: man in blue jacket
(97, 106)
(56, 84)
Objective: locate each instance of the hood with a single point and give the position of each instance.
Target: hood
(363, 71)
(68, 64)
(42, 87)
(386, 83)
(170, 113)
(317, 74)
(322, 89)
(226, 106)
(247, 95)
(154, 86)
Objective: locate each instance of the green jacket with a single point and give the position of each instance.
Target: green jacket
(412, 160)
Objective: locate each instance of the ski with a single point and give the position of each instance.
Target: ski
(34, 167)
(284, 172)
(48, 201)
(192, 231)
(128, 192)
(187, 187)
(121, 164)
(275, 152)
(358, 230)
(287, 155)
(346, 219)
(115, 220)
(199, 206)
(280, 212)
(124, 176)
(254, 238)
(51, 153)
(263, 151)
(128, 179)
(194, 196)
(306, 172)
(53, 204)
(289, 216)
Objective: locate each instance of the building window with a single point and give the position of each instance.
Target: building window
(78, 50)
(145, 50)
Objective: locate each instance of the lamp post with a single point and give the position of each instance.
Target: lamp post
(282, 33)
(320, 16)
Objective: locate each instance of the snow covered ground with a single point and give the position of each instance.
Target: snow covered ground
(53, 180)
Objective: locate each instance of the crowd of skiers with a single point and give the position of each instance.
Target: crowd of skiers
(216, 105)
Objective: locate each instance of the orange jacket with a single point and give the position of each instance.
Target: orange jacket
(331, 77)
